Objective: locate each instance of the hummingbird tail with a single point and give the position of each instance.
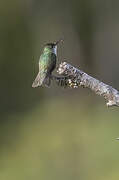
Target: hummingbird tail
(39, 80)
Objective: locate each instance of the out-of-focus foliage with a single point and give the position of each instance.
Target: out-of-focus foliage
(55, 133)
(58, 142)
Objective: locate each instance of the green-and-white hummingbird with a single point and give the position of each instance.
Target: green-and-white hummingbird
(47, 64)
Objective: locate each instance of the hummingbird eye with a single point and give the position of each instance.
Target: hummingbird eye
(53, 46)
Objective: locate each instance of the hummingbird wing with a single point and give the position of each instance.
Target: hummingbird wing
(47, 63)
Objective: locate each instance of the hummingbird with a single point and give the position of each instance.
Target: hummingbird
(47, 63)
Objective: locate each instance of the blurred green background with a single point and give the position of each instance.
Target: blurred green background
(58, 133)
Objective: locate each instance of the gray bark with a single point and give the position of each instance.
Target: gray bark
(74, 78)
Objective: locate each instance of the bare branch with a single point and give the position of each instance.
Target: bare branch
(74, 78)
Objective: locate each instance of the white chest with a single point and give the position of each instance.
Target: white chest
(55, 50)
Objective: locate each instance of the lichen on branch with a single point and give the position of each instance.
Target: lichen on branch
(74, 78)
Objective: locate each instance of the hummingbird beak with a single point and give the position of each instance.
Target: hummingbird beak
(57, 42)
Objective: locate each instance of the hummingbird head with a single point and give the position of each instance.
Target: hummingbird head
(52, 46)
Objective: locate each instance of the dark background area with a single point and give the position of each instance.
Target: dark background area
(55, 133)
